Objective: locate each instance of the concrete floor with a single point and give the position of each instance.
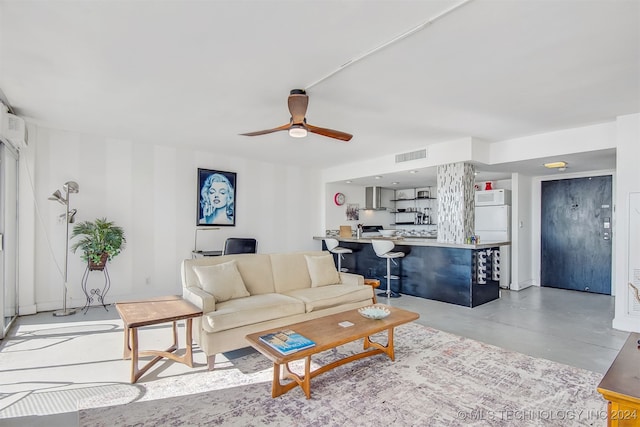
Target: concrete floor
(48, 363)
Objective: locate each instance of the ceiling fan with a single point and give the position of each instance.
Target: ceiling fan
(298, 126)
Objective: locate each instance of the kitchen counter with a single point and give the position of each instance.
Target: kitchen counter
(455, 273)
(416, 241)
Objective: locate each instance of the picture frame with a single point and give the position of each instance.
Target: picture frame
(353, 211)
(216, 198)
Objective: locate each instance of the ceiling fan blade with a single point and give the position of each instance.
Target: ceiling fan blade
(343, 136)
(266, 131)
(298, 102)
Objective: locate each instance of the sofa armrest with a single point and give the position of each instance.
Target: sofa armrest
(199, 298)
(351, 279)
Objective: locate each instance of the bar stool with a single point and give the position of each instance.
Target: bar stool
(332, 246)
(383, 248)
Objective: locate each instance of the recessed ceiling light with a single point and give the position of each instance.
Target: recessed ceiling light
(413, 171)
(555, 165)
(349, 182)
(377, 177)
(395, 183)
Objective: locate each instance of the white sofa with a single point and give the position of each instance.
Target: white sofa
(279, 289)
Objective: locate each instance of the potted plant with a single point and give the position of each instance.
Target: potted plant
(100, 241)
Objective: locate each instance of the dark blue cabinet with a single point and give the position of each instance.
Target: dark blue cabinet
(438, 273)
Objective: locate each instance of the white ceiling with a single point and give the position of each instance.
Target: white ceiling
(198, 73)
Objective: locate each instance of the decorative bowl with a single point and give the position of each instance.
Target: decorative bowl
(388, 233)
(375, 312)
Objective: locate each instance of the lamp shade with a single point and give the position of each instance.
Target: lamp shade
(57, 196)
(71, 187)
(72, 215)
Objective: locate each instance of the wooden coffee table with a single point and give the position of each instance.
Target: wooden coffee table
(136, 314)
(327, 334)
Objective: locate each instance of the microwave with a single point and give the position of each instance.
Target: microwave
(493, 197)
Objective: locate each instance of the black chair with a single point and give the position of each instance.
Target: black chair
(238, 245)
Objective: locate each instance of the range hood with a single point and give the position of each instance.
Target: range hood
(373, 199)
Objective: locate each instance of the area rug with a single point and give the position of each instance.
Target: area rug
(437, 379)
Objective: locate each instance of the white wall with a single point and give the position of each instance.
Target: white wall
(628, 181)
(521, 232)
(26, 230)
(354, 194)
(577, 140)
(150, 190)
(459, 150)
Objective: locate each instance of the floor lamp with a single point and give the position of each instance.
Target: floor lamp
(69, 218)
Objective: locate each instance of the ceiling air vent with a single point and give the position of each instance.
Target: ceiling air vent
(412, 155)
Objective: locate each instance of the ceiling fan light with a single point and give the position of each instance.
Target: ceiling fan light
(554, 165)
(297, 131)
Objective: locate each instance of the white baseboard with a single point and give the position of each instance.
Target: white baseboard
(522, 285)
(25, 310)
(627, 323)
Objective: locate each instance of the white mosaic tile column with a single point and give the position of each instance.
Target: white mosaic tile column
(456, 212)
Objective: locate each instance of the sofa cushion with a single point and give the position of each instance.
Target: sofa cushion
(255, 270)
(328, 296)
(322, 270)
(290, 270)
(223, 281)
(251, 310)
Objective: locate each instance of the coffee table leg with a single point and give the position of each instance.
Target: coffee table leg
(306, 381)
(386, 349)
(390, 347)
(278, 389)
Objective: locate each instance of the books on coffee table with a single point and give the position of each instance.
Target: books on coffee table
(287, 341)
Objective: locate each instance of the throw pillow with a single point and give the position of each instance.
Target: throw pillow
(223, 281)
(322, 270)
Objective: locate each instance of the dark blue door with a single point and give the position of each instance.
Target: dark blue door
(576, 234)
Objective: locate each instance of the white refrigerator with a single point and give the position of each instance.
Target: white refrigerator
(493, 224)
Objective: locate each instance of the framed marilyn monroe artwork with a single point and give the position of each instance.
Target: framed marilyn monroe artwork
(216, 197)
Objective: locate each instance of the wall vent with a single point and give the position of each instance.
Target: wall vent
(412, 155)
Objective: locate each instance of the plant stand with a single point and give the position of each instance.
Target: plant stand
(98, 293)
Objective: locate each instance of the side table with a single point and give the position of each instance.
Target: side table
(136, 314)
(621, 386)
(374, 283)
